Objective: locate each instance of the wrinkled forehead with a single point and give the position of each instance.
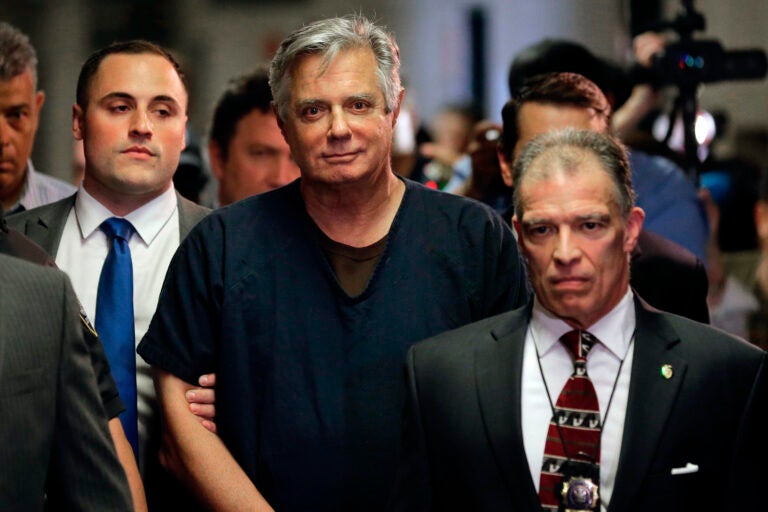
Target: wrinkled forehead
(563, 163)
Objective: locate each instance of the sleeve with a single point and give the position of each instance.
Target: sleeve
(505, 284)
(85, 473)
(183, 335)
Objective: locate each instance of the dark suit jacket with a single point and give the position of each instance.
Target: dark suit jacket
(463, 441)
(45, 225)
(669, 277)
(54, 432)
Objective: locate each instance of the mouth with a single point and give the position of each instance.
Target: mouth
(340, 158)
(138, 152)
(569, 282)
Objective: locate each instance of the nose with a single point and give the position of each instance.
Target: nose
(567, 250)
(141, 125)
(339, 128)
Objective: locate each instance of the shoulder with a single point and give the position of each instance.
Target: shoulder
(18, 245)
(437, 199)
(191, 209)
(436, 212)
(190, 214)
(44, 215)
(700, 343)
(656, 248)
(463, 341)
(20, 276)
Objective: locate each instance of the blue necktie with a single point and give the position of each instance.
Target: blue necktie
(114, 320)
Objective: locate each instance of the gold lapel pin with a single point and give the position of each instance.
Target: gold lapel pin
(667, 372)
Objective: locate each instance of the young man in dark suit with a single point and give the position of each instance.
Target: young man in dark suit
(130, 113)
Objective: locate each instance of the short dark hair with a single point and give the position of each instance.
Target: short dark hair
(570, 89)
(243, 95)
(17, 54)
(561, 56)
(133, 47)
(567, 145)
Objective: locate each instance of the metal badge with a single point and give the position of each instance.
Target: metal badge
(579, 493)
(667, 372)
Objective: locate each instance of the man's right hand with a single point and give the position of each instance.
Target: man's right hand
(202, 401)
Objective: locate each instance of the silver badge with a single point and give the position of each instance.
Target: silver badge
(580, 493)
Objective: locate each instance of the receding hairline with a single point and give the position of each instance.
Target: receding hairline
(564, 160)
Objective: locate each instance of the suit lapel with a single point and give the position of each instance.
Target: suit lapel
(46, 227)
(650, 401)
(498, 369)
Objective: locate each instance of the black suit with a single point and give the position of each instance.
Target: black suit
(669, 277)
(463, 440)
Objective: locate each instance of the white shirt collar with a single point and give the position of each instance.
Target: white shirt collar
(614, 330)
(147, 220)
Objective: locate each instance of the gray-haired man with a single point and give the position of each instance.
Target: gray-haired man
(21, 187)
(304, 300)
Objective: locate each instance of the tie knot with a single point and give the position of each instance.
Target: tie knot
(579, 343)
(115, 227)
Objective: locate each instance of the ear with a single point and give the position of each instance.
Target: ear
(396, 110)
(39, 101)
(521, 242)
(184, 139)
(761, 220)
(506, 166)
(216, 160)
(78, 122)
(633, 227)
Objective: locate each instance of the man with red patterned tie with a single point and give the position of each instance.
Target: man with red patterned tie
(587, 398)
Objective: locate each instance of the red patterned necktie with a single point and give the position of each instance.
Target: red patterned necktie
(574, 431)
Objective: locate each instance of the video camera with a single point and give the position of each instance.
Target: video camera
(688, 62)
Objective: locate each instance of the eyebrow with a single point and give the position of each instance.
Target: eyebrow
(125, 96)
(589, 217)
(355, 97)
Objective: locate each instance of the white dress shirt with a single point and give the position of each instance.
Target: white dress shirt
(615, 332)
(81, 255)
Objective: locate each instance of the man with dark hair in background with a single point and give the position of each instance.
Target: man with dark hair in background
(666, 274)
(670, 200)
(21, 186)
(247, 152)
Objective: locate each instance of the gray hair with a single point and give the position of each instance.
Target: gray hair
(329, 37)
(17, 54)
(567, 148)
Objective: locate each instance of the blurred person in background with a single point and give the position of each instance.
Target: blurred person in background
(21, 186)
(670, 200)
(247, 152)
